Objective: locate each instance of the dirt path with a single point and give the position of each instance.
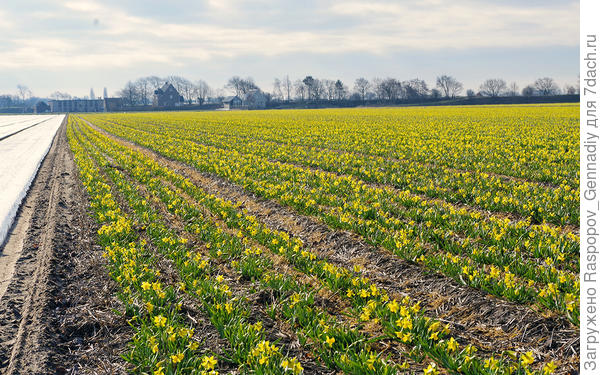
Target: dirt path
(55, 298)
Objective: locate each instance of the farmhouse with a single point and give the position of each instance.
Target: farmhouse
(167, 96)
(232, 102)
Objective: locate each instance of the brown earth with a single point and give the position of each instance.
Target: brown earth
(56, 299)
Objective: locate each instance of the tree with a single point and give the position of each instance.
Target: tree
(435, 93)
(389, 89)
(528, 91)
(23, 92)
(546, 86)
(287, 87)
(240, 85)
(449, 85)
(493, 87)
(300, 89)
(570, 90)
(277, 94)
(340, 90)
(188, 90)
(129, 94)
(513, 89)
(415, 88)
(203, 90)
(470, 93)
(155, 82)
(144, 90)
(92, 95)
(361, 85)
(309, 82)
(329, 86)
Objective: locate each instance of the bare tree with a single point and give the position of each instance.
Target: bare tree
(470, 93)
(287, 87)
(300, 89)
(389, 89)
(329, 87)
(144, 90)
(188, 90)
(23, 92)
(203, 90)
(415, 88)
(546, 86)
(129, 94)
(155, 82)
(277, 95)
(361, 85)
(513, 89)
(449, 85)
(493, 87)
(241, 86)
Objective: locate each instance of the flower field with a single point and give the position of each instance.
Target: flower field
(358, 241)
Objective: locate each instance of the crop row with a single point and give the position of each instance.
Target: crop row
(401, 321)
(559, 205)
(486, 253)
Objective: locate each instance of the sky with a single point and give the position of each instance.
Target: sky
(74, 45)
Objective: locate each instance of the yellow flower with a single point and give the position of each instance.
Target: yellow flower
(393, 306)
(549, 368)
(146, 285)
(329, 341)
(209, 363)
(431, 369)
(491, 363)
(160, 321)
(176, 358)
(452, 345)
(527, 358)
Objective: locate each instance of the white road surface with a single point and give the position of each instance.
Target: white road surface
(24, 142)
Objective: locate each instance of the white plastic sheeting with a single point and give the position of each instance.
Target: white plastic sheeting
(20, 157)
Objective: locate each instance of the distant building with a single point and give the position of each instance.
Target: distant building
(167, 96)
(77, 105)
(113, 104)
(232, 102)
(84, 105)
(41, 107)
(254, 99)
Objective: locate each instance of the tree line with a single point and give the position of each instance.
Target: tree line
(141, 91)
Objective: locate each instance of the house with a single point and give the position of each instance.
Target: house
(255, 99)
(232, 102)
(41, 107)
(167, 96)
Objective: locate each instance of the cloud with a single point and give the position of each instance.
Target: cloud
(90, 32)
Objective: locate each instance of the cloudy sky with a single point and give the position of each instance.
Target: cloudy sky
(73, 45)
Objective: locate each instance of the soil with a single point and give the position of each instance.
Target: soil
(57, 310)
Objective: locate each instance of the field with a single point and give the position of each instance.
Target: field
(359, 241)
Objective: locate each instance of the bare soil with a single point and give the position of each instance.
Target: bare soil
(56, 298)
